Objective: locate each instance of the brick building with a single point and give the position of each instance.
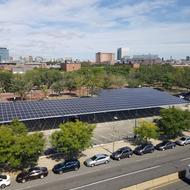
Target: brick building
(105, 58)
(68, 67)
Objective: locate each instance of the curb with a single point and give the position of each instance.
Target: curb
(154, 183)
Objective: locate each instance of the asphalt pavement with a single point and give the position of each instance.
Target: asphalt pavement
(116, 174)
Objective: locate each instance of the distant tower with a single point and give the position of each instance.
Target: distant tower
(121, 53)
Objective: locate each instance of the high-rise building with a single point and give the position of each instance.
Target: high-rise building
(4, 55)
(105, 58)
(121, 53)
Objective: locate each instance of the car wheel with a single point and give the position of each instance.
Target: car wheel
(119, 159)
(106, 162)
(92, 165)
(76, 168)
(173, 147)
(60, 172)
(23, 180)
(42, 176)
(129, 156)
(3, 186)
(163, 149)
(141, 153)
(153, 150)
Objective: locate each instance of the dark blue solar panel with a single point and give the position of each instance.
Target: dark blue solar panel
(106, 101)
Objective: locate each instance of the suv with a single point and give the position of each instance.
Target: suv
(124, 152)
(32, 173)
(66, 166)
(97, 160)
(165, 145)
(143, 149)
(183, 141)
(4, 181)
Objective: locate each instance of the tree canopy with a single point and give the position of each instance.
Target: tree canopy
(173, 122)
(18, 149)
(146, 131)
(72, 138)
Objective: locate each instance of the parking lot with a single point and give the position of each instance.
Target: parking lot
(115, 131)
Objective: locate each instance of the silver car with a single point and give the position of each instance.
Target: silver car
(97, 160)
(183, 141)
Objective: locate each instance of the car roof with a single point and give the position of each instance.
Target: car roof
(124, 148)
(100, 155)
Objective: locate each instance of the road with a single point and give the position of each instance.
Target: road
(116, 174)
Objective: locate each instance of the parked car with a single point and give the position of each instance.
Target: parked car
(124, 152)
(4, 181)
(66, 166)
(97, 160)
(183, 141)
(187, 173)
(165, 145)
(31, 174)
(143, 149)
(185, 95)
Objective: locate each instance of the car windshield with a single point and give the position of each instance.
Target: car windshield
(94, 158)
(183, 139)
(3, 177)
(119, 151)
(163, 143)
(142, 146)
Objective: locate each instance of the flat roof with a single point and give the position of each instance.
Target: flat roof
(106, 101)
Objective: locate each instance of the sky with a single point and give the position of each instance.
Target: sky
(80, 28)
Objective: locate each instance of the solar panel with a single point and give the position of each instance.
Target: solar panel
(107, 101)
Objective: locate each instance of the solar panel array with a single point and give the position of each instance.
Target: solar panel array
(106, 101)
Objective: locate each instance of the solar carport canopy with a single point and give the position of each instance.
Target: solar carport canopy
(107, 101)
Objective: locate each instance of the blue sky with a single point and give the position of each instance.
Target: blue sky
(80, 28)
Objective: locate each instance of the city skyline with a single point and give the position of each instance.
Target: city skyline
(78, 29)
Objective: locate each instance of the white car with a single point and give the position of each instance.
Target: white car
(4, 181)
(183, 141)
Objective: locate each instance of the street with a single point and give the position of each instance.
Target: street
(116, 174)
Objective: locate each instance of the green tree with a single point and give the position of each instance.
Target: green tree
(173, 122)
(5, 80)
(72, 138)
(70, 83)
(21, 86)
(44, 89)
(58, 86)
(18, 149)
(146, 131)
(18, 128)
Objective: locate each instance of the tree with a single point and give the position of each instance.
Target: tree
(58, 87)
(146, 131)
(44, 89)
(21, 86)
(18, 149)
(72, 138)
(173, 122)
(5, 80)
(18, 128)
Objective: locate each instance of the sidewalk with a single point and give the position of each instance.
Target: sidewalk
(104, 148)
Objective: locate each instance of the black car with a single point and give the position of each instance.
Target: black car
(66, 166)
(143, 149)
(165, 145)
(32, 173)
(124, 152)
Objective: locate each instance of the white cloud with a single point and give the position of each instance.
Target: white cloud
(81, 27)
